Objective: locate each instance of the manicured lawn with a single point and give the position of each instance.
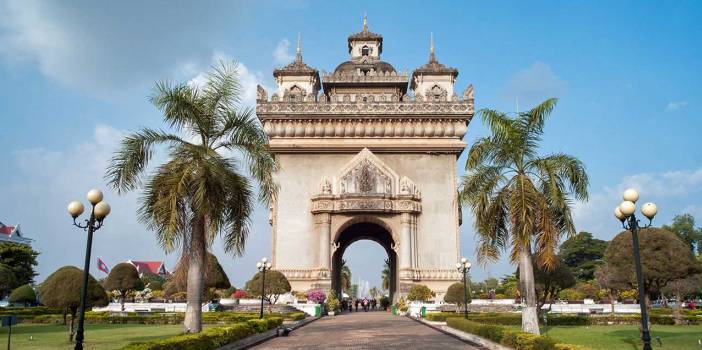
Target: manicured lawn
(626, 337)
(102, 337)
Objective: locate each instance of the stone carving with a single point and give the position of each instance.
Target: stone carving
(407, 187)
(261, 94)
(437, 94)
(365, 175)
(468, 94)
(326, 187)
(405, 107)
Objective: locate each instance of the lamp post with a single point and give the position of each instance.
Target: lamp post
(98, 213)
(263, 266)
(463, 267)
(625, 213)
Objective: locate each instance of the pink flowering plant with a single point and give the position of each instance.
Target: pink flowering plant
(316, 296)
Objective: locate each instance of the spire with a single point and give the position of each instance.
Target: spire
(298, 51)
(432, 55)
(365, 23)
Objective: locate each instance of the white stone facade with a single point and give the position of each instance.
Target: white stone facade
(367, 168)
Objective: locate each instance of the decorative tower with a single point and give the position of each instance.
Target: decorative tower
(434, 81)
(297, 81)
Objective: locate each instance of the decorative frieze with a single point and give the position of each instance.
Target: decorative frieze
(305, 274)
(311, 107)
(364, 128)
(338, 204)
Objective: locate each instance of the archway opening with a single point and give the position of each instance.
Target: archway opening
(365, 231)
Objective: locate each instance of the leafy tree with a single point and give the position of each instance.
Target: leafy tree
(345, 276)
(21, 259)
(200, 192)
(582, 254)
(23, 294)
(8, 281)
(215, 278)
(664, 258)
(455, 294)
(605, 276)
(519, 199)
(123, 278)
(385, 275)
(420, 292)
(276, 285)
(549, 282)
(153, 281)
(62, 289)
(682, 288)
(684, 227)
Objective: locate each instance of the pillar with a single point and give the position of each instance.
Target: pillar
(323, 221)
(405, 243)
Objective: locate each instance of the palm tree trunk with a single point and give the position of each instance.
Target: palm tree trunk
(530, 317)
(196, 271)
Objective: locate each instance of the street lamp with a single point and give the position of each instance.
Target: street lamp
(263, 266)
(463, 267)
(625, 213)
(98, 213)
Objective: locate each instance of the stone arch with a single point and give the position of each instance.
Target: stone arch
(381, 221)
(364, 228)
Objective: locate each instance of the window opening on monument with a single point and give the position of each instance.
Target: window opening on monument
(365, 51)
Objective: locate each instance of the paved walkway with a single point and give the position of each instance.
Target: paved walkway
(365, 330)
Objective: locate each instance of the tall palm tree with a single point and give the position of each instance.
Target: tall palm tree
(519, 199)
(345, 276)
(385, 275)
(201, 190)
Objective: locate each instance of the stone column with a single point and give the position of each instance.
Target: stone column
(323, 221)
(405, 242)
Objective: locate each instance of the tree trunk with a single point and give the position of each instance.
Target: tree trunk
(196, 263)
(121, 300)
(611, 300)
(530, 317)
(71, 329)
(65, 313)
(678, 307)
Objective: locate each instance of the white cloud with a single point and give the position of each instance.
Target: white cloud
(674, 106)
(533, 85)
(675, 192)
(281, 54)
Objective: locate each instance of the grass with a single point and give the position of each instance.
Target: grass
(621, 337)
(102, 337)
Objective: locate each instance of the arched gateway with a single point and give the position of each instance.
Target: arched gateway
(366, 153)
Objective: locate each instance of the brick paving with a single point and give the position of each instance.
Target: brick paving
(365, 330)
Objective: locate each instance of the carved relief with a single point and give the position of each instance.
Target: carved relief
(326, 187)
(365, 175)
(261, 94)
(407, 187)
(468, 93)
(436, 94)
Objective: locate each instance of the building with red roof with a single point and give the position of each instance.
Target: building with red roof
(13, 234)
(154, 267)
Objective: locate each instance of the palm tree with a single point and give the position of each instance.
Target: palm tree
(345, 276)
(385, 275)
(519, 199)
(200, 191)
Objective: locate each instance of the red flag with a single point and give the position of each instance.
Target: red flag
(102, 266)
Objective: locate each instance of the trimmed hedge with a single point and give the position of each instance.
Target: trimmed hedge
(508, 337)
(211, 338)
(515, 319)
(30, 311)
(160, 318)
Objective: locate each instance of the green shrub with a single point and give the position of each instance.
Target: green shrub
(295, 316)
(30, 311)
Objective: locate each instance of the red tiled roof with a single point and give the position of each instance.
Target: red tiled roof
(147, 266)
(6, 229)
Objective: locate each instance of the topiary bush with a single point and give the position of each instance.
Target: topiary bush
(23, 295)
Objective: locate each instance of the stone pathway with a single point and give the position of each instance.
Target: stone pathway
(365, 330)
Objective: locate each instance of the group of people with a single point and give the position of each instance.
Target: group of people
(365, 304)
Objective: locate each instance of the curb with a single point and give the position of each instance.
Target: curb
(468, 340)
(259, 338)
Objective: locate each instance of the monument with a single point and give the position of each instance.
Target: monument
(366, 152)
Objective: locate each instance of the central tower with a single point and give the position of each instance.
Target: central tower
(366, 152)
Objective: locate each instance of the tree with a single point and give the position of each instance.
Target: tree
(62, 289)
(23, 294)
(215, 278)
(682, 288)
(664, 258)
(684, 227)
(605, 276)
(200, 191)
(123, 278)
(549, 282)
(420, 292)
(455, 294)
(153, 281)
(385, 275)
(21, 259)
(7, 280)
(519, 199)
(582, 254)
(276, 285)
(345, 276)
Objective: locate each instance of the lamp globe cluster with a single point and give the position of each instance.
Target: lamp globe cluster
(100, 208)
(264, 264)
(628, 206)
(464, 263)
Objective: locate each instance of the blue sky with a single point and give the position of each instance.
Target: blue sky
(74, 77)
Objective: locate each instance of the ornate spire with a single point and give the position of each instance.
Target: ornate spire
(432, 55)
(365, 23)
(298, 51)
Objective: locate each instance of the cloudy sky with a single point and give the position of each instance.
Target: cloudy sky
(74, 77)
